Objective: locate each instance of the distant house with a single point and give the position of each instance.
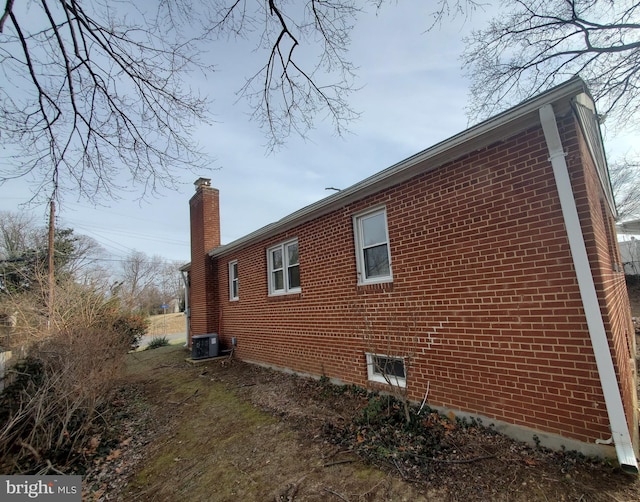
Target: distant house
(173, 306)
(484, 268)
(629, 246)
(630, 255)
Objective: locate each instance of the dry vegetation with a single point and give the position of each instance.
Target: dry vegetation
(65, 369)
(223, 430)
(230, 431)
(49, 408)
(166, 324)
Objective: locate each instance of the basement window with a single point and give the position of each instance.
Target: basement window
(386, 369)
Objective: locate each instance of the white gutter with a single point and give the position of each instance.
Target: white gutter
(595, 323)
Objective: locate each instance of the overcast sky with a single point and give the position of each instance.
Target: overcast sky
(413, 95)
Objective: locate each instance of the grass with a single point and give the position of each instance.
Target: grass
(157, 342)
(202, 455)
(166, 324)
(204, 452)
(210, 443)
(229, 431)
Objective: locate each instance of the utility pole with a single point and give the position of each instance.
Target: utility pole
(52, 284)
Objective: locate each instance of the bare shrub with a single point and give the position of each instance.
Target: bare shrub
(88, 305)
(54, 395)
(29, 313)
(390, 354)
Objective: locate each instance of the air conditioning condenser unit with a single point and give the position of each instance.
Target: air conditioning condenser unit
(204, 346)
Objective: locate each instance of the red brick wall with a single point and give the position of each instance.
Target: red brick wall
(606, 265)
(484, 300)
(205, 235)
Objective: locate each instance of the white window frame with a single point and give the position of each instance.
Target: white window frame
(287, 289)
(375, 375)
(360, 248)
(233, 280)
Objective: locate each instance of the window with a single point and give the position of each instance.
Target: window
(386, 369)
(284, 268)
(233, 280)
(372, 247)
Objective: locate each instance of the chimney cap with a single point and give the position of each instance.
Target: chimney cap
(202, 182)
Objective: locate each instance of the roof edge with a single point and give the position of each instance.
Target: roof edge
(387, 177)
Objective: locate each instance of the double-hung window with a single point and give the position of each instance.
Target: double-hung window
(284, 268)
(234, 293)
(373, 258)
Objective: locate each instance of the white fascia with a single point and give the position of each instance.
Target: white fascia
(595, 323)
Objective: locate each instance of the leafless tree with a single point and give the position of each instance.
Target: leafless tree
(147, 282)
(172, 285)
(139, 276)
(17, 233)
(625, 182)
(86, 90)
(86, 260)
(530, 45)
(90, 89)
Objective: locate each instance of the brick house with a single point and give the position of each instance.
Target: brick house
(484, 269)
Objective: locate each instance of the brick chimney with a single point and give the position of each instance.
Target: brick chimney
(205, 236)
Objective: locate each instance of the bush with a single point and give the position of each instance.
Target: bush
(381, 431)
(49, 406)
(131, 326)
(72, 365)
(157, 342)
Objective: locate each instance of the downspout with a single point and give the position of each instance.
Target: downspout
(595, 323)
(187, 312)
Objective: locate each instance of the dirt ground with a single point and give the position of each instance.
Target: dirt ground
(228, 431)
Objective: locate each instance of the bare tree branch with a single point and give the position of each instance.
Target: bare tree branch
(7, 11)
(87, 94)
(625, 183)
(536, 44)
(285, 94)
(94, 89)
